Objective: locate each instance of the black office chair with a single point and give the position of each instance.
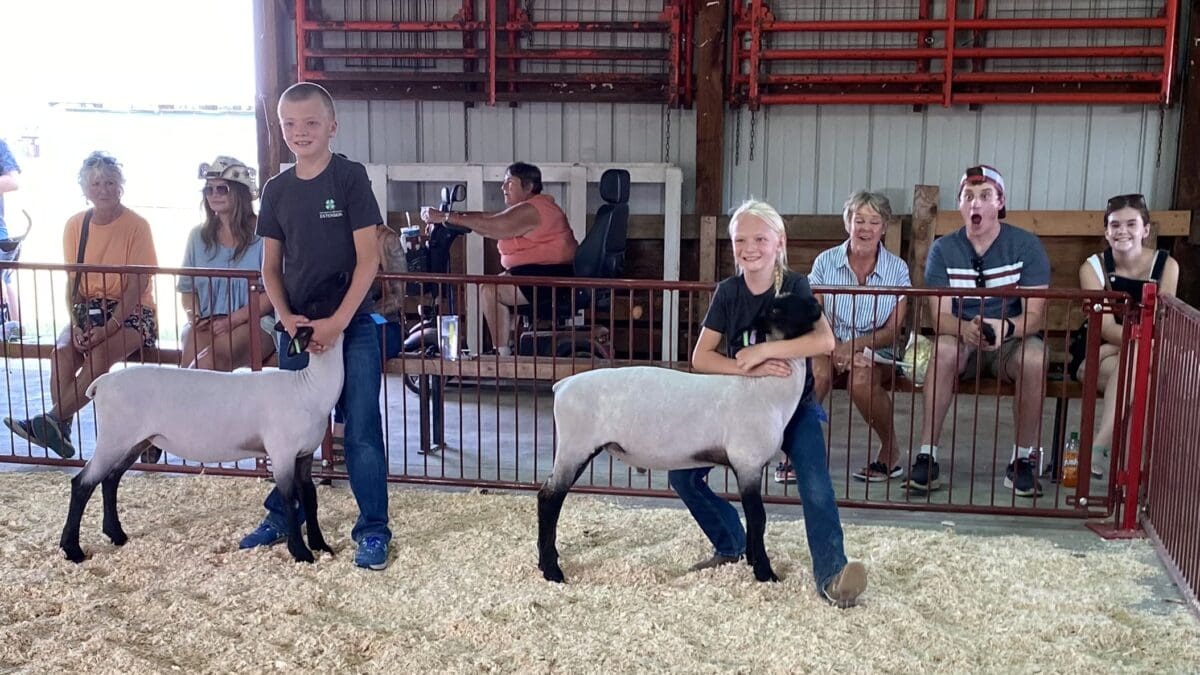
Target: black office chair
(601, 255)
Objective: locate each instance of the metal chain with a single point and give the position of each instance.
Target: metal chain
(737, 137)
(1162, 120)
(667, 136)
(753, 126)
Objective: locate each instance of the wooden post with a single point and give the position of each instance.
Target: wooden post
(710, 127)
(1187, 170)
(924, 226)
(271, 79)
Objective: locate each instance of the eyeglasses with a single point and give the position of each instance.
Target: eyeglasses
(1134, 200)
(211, 190)
(980, 279)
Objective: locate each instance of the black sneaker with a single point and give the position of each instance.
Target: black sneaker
(876, 472)
(923, 476)
(1020, 478)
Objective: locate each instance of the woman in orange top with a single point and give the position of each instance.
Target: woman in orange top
(112, 315)
(533, 238)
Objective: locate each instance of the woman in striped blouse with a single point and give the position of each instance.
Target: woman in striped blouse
(861, 321)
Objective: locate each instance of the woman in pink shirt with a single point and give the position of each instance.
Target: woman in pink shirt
(533, 238)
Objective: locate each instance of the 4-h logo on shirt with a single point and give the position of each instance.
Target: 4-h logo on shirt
(331, 210)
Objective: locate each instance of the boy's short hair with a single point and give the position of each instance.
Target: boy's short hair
(303, 91)
(529, 175)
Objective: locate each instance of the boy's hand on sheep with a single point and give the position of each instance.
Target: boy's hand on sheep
(325, 332)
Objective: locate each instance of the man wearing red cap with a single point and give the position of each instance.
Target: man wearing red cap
(993, 335)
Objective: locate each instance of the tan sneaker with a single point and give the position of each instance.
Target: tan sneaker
(845, 588)
(716, 561)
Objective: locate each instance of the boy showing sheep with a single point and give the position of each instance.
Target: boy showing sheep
(788, 416)
(318, 218)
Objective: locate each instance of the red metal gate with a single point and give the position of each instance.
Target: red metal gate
(1171, 512)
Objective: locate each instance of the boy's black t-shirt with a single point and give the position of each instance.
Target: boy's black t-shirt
(316, 219)
(734, 309)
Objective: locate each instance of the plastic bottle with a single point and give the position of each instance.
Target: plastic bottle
(1070, 473)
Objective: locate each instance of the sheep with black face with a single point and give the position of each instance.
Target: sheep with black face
(208, 416)
(657, 418)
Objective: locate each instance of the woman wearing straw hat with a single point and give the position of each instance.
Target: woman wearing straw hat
(220, 319)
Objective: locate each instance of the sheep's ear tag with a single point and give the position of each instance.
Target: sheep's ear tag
(299, 341)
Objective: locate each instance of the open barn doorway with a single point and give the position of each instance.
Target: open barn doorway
(162, 86)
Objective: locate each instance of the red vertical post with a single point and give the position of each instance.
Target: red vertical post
(1144, 337)
(948, 67)
(1172, 11)
(491, 83)
(756, 17)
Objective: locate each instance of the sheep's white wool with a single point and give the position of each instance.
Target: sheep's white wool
(207, 416)
(662, 418)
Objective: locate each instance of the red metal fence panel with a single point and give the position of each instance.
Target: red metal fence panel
(1171, 512)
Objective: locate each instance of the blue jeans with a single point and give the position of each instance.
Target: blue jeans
(391, 344)
(366, 461)
(804, 444)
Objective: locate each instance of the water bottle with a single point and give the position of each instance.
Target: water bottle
(1070, 473)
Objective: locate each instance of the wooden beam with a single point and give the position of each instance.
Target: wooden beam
(710, 126)
(924, 222)
(270, 79)
(708, 248)
(1072, 223)
(1187, 169)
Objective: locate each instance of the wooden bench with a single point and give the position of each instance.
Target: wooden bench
(41, 350)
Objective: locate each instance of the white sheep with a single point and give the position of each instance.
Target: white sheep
(209, 416)
(657, 418)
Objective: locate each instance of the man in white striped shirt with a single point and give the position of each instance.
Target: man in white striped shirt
(862, 320)
(997, 335)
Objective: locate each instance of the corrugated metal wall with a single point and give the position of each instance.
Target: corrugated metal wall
(806, 159)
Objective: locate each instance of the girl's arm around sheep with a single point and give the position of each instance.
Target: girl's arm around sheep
(761, 360)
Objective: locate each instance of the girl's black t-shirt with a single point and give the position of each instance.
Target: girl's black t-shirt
(734, 308)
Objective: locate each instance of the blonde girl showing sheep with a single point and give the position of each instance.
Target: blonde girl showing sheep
(760, 255)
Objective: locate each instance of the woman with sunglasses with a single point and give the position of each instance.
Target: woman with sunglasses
(221, 322)
(1123, 265)
(112, 313)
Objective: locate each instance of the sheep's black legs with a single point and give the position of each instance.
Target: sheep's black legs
(308, 501)
(749, 484)
(108, 489)
(550, 501)
(285, 482)
(81, 492)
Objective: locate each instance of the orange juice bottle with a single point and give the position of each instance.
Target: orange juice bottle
(1070, 472)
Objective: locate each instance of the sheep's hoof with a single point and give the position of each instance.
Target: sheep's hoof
(320, 546)
(301, 554)
(764, 573)
(118, 538)
(74, 554)
(552, 573)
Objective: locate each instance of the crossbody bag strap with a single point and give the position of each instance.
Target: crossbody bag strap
(83, 237)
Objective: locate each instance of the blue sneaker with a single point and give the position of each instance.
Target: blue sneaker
(372, 553)
(266, 534)
(45, 431)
